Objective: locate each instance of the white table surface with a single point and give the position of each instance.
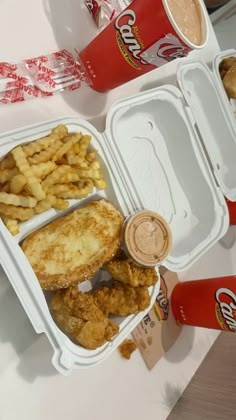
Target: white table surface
(30, 388)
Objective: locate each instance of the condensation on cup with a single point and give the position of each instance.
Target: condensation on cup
(144, 36)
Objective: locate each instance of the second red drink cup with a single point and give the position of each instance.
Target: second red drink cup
(207, 303)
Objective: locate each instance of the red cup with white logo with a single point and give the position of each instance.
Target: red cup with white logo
(207, 303)
(144, 36)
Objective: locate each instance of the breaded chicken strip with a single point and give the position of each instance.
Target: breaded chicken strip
(85, 315)
(125, 271)
(120, 299)
(77, 314)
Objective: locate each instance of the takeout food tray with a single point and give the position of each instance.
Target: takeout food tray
(66, 353)
(162, 150)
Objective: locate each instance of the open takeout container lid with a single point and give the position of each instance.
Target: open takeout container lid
(162, 151)
(169, 140)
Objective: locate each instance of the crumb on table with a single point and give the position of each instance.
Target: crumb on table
(126, 348)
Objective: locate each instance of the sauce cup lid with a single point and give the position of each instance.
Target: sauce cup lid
(147, 238)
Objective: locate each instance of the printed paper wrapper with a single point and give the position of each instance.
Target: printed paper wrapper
(40, 76)
(104, 11)
(158, 331)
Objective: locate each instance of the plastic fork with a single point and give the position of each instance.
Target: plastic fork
(40, 76)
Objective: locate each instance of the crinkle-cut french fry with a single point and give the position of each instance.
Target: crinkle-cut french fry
(43, 169)
(90, 156)
(62, 161)
(90, 173)
(17, 183)
(68, 136)
(41, 144)
(100, 184)
(61, 173)
(60, 204)
(76, 148)
(77, 161)
(70, 155)
(26, 190)
(77, 190)
(69, 177)
(55, 176)
(45, 204)
(74, 191)
(11, 224)
(5, 187)
(57, 189)
(13, 212)
(61, 131)
(45, 155)
(83, 145)
(38, 146)
(66, 146)
(7, 174)
(25, 169)
(95, 164)
(17, 200)
(8, 162)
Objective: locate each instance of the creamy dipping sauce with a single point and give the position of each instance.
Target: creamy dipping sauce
(187, 16)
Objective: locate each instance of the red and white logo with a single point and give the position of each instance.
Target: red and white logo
(164, 50)
(226, 308)
(124, 25)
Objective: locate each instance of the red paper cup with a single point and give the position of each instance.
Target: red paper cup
(143, 37)
(207, 303)
(232, 212)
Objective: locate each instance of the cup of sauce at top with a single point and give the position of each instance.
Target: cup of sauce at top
(147, 238)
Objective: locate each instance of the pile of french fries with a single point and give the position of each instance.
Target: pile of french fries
(45, 173)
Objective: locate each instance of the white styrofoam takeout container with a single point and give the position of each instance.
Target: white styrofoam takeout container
(217, 60)
(162, 150)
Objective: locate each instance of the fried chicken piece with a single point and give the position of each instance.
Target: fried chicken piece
(85, 315)
(227, 70)
(129, 273)
(77, 314)
(229, 82)
(227, 63)
(121, 300)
